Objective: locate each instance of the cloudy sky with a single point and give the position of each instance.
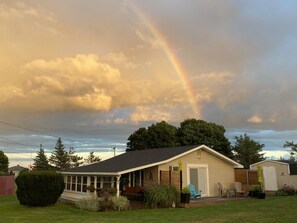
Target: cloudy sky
(93, 72)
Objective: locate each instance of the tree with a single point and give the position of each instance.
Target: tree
(138, 140)
(157, 135)
(92, 158)
(59, 157)
(198, 132)
(74, 160)
(247, 151)
(62, 159)
(3, 162)
(161, 135)
(293, 148)
(41, 160)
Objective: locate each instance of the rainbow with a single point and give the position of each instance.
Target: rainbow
(170, 54)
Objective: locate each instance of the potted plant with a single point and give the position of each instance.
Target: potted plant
(256, 189)
(91, 188)
(261, 193)
(185, 195)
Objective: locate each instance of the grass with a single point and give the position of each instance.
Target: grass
(272, 209)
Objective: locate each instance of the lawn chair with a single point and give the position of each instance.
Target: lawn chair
(194, 194)
(226, 192)
(238, 189)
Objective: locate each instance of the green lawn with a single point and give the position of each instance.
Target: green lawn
(272, 209)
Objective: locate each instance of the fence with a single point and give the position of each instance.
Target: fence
(170, 177)
(6, 184)
(246, 177)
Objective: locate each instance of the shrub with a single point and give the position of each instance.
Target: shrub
(39, 188)
(161, 195)
(120, 203)
(91, 204)
(286, 190)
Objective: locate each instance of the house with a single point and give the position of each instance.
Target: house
(277, 173)
(200, 165)
(16, 169)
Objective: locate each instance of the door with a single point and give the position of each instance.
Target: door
(270, 179)
(198, 177)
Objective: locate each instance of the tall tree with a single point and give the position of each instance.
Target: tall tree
(197, 132)
(74, 160)
(157, 135)
(41, 161)
(59, 157)
(3, 162)
(247, 151)
(92, 158)
(138, 140)
(63, 159)
(161, 135)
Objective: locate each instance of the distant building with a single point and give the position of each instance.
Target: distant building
(16, 169)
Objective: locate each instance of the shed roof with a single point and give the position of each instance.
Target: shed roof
(140, 159)
(292, 165)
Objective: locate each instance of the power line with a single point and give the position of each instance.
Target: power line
(36, 131)
(14, 142)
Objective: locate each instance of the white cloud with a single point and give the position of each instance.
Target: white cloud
(255, 119)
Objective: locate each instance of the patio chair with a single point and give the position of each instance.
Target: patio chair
(238, 189)
(226, 192)
(194, 194)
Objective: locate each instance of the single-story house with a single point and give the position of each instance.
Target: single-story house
(16, 169)
(200, 165)
(277, 173)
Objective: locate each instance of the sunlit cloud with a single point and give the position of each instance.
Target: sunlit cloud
(255, 119)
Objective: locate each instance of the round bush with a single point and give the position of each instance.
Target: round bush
(39, 188)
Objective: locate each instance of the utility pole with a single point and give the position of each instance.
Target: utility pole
(114, 151)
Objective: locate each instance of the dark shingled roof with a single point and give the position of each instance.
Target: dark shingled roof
(131, 160)
(16, 168)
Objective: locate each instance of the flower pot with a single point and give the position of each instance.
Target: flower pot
(185, 198)
(261, 195)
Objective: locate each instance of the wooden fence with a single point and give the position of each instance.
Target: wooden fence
(6, 185)
(246, 177)
(170, 177)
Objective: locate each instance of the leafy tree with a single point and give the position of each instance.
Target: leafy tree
(41, 161)
(197, 132)
(3, 162)
(138, 140)
(247, 151)
(63, 159)
(157, 135)
(161, 135)
(92, 158)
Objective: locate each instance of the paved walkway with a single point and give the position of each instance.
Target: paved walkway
(211, 200)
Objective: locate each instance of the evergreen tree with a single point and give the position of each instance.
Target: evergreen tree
(92, 158)
(74, 160)
(59, 157)
(41, 160)
(3, 162)
(247, 151)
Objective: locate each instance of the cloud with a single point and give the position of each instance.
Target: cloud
(255, 119)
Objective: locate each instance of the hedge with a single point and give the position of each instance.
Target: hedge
(39, 188)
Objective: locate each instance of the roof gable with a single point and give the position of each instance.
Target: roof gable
(140, 159)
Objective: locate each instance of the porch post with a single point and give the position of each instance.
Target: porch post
(118, 185)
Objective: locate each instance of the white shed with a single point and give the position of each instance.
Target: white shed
(277, 173)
